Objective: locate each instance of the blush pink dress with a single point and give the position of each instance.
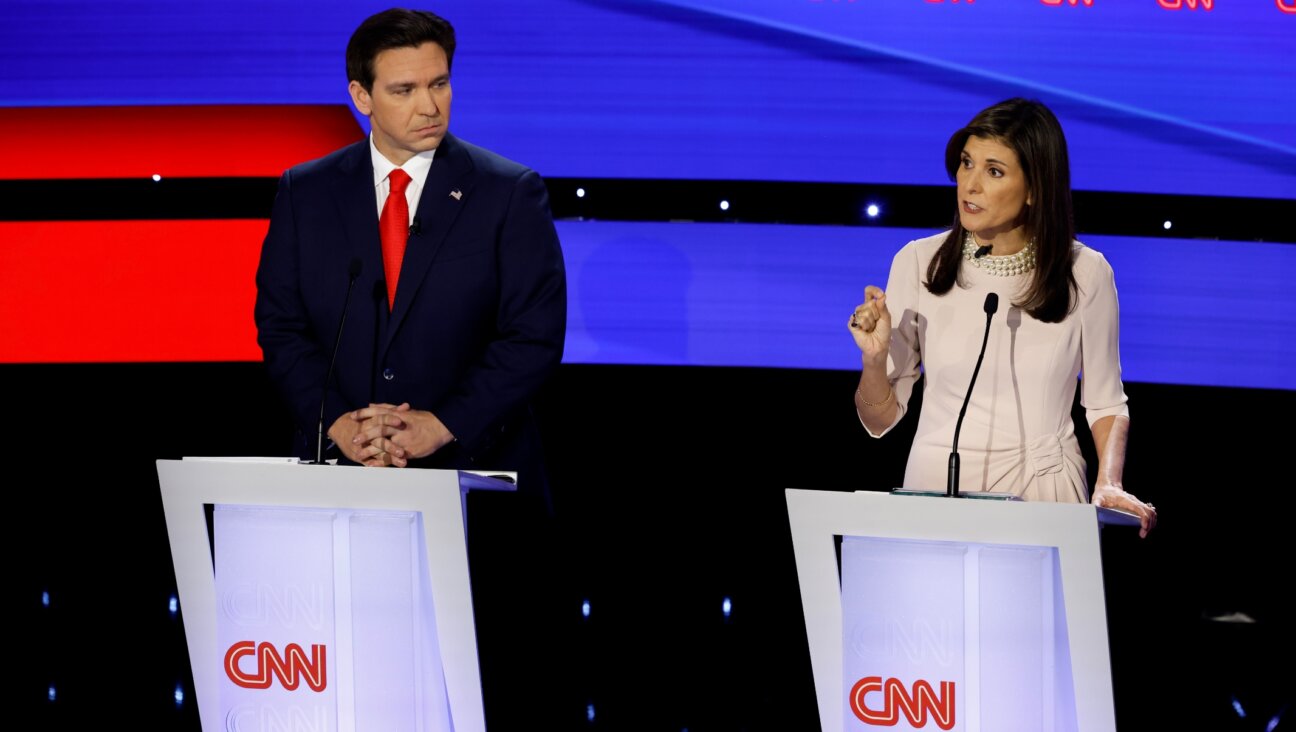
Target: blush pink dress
(1018, 436)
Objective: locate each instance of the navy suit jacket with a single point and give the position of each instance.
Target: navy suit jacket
(480, 312)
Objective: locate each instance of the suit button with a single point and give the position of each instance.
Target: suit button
(388, 374)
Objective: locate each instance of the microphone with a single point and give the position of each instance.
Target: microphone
(353, 272)
(951, 486)
(982, 251)
(415, 227)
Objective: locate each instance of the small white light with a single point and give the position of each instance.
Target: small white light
(51, 692)
(872, 210)
(1237, 707)
(179, 695)
(585, 609)
(1166, 225)
(726, 607)
(724, 205)
(580, 192)
(589, 713)
(173, 605)
(157, 177)
(45, 598)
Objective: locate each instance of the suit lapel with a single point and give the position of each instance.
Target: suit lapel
(353, 193)
(438, 208)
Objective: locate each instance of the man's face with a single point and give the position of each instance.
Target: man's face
(409, 107)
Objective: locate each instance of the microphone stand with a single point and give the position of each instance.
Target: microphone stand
(952, 484)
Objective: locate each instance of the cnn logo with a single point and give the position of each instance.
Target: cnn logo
(290, 668)
(897, 700)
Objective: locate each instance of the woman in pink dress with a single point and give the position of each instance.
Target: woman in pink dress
(1059, 320)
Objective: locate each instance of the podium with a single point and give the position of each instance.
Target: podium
(953, 614)
(325, 597)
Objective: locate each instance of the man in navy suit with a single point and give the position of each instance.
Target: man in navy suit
(457, 311)
(456, 315)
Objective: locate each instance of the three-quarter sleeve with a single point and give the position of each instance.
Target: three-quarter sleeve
(904, 356)
(1101, 392)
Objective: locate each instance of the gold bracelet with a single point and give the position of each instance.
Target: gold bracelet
(883, 403)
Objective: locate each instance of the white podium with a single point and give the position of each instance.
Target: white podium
(953, 614)
(325, 597)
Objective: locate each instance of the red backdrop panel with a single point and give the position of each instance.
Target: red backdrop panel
(103, 291)
(198, 141)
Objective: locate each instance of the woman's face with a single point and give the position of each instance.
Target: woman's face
(992, 192)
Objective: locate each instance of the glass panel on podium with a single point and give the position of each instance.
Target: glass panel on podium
(953, 636)
(326, 602)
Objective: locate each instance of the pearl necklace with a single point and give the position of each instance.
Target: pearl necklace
(1000, 266)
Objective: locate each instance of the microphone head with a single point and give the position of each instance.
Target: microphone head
(353, 270)
(992, 303)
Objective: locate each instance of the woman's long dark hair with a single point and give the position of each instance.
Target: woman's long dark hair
(1034, 134)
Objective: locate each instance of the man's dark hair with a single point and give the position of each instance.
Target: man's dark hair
(395, 28)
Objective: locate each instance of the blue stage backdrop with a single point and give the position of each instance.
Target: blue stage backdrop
(1166, 96)
(1192, 312)
(1157, 96)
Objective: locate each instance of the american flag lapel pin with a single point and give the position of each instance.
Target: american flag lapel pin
(456, 194)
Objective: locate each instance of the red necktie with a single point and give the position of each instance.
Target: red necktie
(393, 227)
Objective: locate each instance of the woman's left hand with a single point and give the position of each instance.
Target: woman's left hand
(1110, 496)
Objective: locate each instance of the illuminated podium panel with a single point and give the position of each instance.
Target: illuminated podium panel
(953, 614)
(324, 597)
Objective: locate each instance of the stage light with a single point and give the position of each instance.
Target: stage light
(1237, 707)
(724, 205)
(179, 695)
(589, 712)
(157, 177)
(1166, 225)
(51, 693)
(45, 598)
(873, 210)
(585, 609)
(580, 192)
(726, 607)
(173, 605)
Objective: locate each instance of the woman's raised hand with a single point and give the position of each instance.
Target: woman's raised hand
(870, 324)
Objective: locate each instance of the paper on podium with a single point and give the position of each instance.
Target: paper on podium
(1115, 517)
(980, 495)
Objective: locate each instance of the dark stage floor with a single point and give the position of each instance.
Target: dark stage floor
(1200, 615)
